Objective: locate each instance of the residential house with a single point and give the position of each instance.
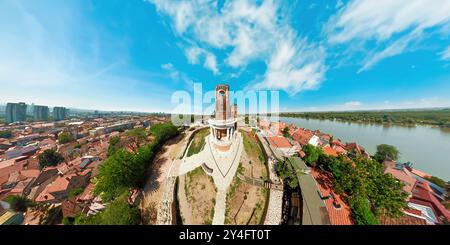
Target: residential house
(58, 190)
(282, 145)
(423, 195)
(71, 207)
(305, 137)
(356, 149)
(339, 147)
(400, 173)
(18, 151)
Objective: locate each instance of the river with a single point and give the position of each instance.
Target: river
(428, 148)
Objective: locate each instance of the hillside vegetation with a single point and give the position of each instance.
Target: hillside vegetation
(438, 117)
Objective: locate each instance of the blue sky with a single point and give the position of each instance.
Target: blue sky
(134, 54)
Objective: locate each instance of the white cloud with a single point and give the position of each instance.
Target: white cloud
(352, 104)
(393, 25)
(194, 54)
(211, 63)
(395, 48)
(176, 75)
(294, 67)
(339, 4)
(247, 31)
(445, 55)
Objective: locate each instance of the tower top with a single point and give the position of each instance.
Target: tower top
(223, 86)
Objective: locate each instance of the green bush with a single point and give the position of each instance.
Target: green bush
(361, 211)
(65, 138)
(75, 192)
(311, 154)
(361, 178)
(386, 152)
(123, 170)
(119, 212)
(437, 181)
(19, 203)
(49, 158)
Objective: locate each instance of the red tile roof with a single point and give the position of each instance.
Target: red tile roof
(330, 151)
(420, 173)
(61, 183)
(404, 220)
(338, 143)
(403, 177)
(279, 142)
(32, 173)
(341, 216)
(302, 136)
(421, 192)
(414, 211)
(339, 149)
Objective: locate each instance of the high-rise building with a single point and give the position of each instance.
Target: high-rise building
(40, 113)
(59, 113)
(30, 110)
(16, 112)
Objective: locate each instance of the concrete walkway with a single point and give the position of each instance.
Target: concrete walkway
(220, 207)
(275, 206)
(223, 166)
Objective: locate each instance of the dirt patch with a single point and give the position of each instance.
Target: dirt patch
(246, 202)
(252, 158)
(200, 194)
(157, 173)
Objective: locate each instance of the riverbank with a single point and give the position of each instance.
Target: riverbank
(431, 117)
(425, 146)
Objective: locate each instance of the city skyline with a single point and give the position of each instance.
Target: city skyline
(320, 55)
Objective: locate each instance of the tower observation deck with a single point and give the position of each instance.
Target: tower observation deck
(224, 124)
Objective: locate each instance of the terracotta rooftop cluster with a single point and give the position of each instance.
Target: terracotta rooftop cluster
(20, 173)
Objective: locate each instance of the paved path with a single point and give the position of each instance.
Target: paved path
(274, 209)
(220, 207)
(224, 167)
(275, 206)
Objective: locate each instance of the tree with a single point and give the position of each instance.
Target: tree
(123, 169)
(113, 145)
(361, 211)
(136, 137)
(370, 193)
(19, 203)
(287, 174)
(311, 154)
(118, 172)
(385, 151)
(119, 212)
(286, 132)
(75, 192)
(65, 137)
(50, 158)
(163, 131)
